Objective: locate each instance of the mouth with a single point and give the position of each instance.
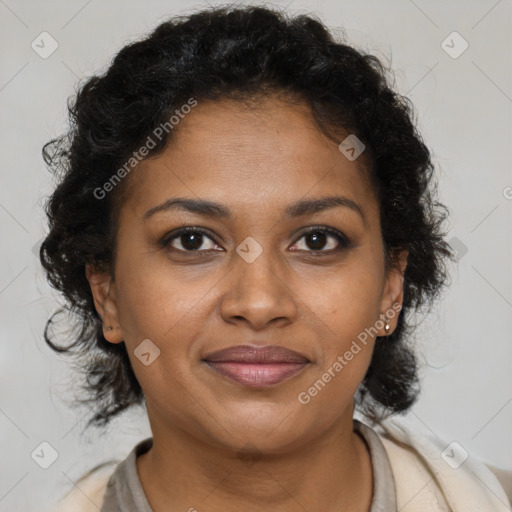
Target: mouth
(257, 366)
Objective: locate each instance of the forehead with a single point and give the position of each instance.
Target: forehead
(264, 155)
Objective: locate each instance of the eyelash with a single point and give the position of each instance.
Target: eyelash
(343, 241)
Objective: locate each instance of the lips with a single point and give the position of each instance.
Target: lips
(256, 366)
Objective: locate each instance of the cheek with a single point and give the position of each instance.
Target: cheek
(155, 300)
(162, 308)
(345, 307)
(346, 347)
(346, 300)
(170, 310)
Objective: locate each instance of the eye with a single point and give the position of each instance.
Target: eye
(317, 239)
(323, 240)
(190, 239)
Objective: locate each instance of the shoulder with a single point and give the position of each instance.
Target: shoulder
(88, 492)
(431, 474)
(504, 476)
(103, 485)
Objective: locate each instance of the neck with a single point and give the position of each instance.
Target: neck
(332, 472)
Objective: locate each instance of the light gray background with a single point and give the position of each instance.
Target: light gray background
(464, 108)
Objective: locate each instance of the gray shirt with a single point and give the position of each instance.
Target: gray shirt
(125, 493)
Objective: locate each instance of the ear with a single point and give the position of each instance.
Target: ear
(393, 294)
(104, 294)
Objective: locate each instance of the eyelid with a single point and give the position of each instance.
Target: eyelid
(343, 241)
(176, 233)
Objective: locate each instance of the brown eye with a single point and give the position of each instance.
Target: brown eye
(189, 239)
(323, 240)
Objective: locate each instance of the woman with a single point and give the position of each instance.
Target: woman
(245, 218)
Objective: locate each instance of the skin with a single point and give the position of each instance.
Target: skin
(255, 162)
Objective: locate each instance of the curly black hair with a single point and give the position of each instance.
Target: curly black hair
(238, 53)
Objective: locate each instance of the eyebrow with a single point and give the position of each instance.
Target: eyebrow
(213, 209)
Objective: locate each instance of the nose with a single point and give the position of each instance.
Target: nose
(259, 293)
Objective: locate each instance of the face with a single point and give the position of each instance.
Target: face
(252, 271)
